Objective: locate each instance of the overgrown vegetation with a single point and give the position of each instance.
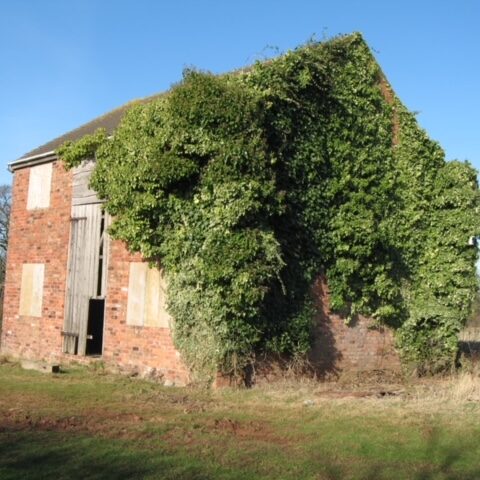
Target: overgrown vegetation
(247, 186)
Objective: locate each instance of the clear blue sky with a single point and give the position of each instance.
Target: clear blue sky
(64, 62)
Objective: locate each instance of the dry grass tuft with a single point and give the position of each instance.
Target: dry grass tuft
(467, 387)
(470, 334)
(448, 392)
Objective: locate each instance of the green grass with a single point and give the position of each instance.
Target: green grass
(89, 425)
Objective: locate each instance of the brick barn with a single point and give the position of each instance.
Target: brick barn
(71, 293)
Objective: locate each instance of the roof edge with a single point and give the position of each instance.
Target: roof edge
(32, 161)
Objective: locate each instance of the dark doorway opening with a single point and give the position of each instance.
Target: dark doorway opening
(96, 310)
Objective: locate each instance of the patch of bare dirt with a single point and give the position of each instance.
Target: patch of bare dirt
(244, 429)
(240, 431)
(111, 425)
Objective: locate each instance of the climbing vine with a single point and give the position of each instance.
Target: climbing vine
(246, 187)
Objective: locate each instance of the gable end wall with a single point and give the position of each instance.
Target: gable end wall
(42, 237)
(37, 236)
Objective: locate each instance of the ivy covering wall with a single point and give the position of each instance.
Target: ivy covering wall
(247, 186)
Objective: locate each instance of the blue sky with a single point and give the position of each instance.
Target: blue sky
(62, 63)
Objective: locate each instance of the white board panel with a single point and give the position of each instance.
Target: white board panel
(39, 186)
(31, 290)
(147, 297)
(136, 293)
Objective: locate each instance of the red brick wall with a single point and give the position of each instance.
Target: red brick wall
(131, 347)
(42, 236)
(358, 346)
(37, 236)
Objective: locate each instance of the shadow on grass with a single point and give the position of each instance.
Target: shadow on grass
(44, 455)
(56, 456)
(435, 460)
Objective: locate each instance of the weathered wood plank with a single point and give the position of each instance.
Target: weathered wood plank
(82, 194)
(83, 273)
(106, 254)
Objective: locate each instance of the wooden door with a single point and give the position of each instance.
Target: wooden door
(86, 273)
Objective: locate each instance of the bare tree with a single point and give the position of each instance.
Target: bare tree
(5, 205)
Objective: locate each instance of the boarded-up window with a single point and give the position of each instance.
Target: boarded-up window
(81, 192)
(31, 290)
(146, 297)
(39, 186)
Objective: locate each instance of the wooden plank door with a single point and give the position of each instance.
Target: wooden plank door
(83, 274)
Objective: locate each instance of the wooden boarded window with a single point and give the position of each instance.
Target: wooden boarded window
(82, 194)
(39, 186)
(31, 290)
(146, 297)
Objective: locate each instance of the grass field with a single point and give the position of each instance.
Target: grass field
(88, 424)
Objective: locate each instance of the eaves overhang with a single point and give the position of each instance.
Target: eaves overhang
(32, 161)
